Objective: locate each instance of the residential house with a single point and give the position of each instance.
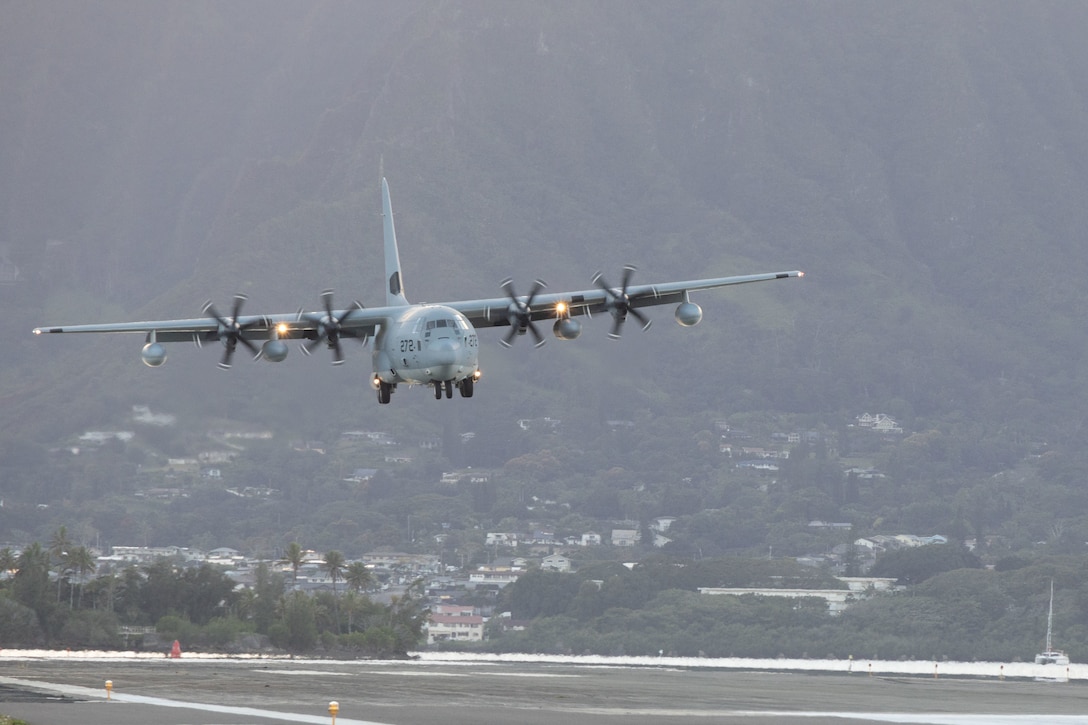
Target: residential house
(495, 575)
(555, 562)
(591, 538)
(459, 626)
(501, 538)
(880, 422)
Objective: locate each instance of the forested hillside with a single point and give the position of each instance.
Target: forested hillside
(926, 164)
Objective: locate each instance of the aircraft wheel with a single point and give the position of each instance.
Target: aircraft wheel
(449, 388)
(466, 387)
(385, 391)
(438, 391)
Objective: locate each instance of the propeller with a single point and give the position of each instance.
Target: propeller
(520, 313)
(230, 330)
(329, 327)
(620, 303)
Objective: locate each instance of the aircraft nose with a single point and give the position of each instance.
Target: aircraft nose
(443, 358)
(444, 350)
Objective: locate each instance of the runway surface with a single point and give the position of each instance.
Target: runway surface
(254, 691)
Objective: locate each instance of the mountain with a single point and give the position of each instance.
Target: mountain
(925, 163)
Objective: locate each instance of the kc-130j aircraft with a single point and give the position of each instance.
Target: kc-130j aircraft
(419, 344)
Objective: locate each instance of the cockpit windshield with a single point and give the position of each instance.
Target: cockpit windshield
(445, 322)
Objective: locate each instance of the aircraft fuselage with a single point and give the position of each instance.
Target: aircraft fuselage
(427, 345)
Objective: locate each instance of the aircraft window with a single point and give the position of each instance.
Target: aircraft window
(430, 324)
(440, 323)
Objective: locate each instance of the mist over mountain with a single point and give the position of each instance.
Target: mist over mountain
(925, 163)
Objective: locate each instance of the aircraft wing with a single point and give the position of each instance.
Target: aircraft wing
(326, 327)
(495, 312)
(354, 322)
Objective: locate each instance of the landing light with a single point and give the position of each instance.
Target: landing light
(37, 331)
(561, 308)
(800, 274)
(376, 382)
(282, 328)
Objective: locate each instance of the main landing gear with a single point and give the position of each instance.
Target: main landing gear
(465, 387)
(385, 391)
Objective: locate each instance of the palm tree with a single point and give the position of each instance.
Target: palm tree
(30, 585)
(357, 576)
(58, 550)
(293, 556)
(334, 566)
(80, 560)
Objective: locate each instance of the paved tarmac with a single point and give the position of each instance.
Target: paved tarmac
(259, 692)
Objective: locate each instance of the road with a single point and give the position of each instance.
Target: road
(245, 692)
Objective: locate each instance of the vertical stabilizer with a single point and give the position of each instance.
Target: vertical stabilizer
(394, 292)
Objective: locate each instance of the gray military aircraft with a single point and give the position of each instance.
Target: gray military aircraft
(419, 344)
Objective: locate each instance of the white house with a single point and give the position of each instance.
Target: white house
(501, 538)
(455, 627)
(555, 562)
(591, 538)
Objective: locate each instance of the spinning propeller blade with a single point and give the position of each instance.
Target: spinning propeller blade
(620, 303)
(230, 331)
(520, 313)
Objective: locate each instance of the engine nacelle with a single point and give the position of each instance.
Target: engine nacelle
(567, 329)
(153, 354)
(274, 351)
(689, 314)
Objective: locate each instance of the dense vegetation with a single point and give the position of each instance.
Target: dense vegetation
(200, 606)
(961, 614)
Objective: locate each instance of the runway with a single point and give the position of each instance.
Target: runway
(261, 691)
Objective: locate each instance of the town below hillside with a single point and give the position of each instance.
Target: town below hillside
(389, 603)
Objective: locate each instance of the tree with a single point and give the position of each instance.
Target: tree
(919, 563)
(268, 590)
(293, 556)
(358, 576)
(81, 561)
(30, 585)
(298, 632)
(205, 592)
(334, 566)
(18, 623)
(407, 617)
(157, 594)
(59, 545)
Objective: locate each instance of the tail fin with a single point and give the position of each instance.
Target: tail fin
(394, 293)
